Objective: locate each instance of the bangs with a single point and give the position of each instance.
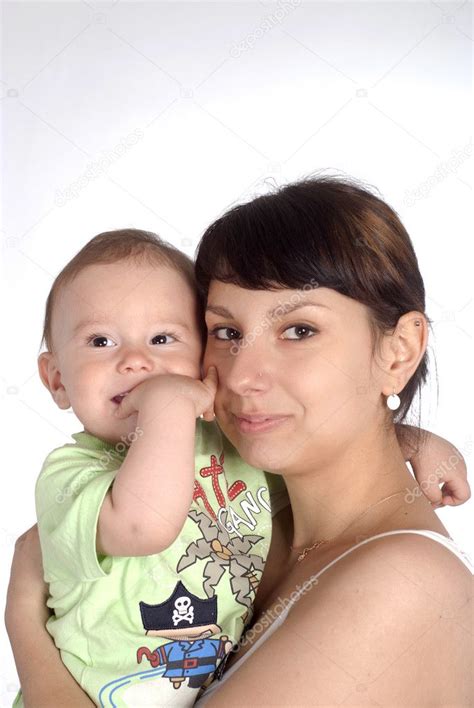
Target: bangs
(273, 243)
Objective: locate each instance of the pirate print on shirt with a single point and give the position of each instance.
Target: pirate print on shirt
(220, 554)
(189, 622)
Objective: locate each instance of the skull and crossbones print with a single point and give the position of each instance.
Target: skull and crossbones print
(183, 611)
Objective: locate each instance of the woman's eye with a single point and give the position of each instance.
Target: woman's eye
(163, 339)
(100, 341)
(225, 334)
(299, 332)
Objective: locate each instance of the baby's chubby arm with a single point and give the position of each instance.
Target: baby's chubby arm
(147, 505)
(439, 467)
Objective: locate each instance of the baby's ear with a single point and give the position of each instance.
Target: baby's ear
(51, 378)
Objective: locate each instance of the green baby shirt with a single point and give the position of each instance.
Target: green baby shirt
(151, 630)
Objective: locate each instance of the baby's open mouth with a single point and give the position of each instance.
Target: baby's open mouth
(119, 397)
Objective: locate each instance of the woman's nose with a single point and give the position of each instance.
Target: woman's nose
(135, 359)
(248, 372)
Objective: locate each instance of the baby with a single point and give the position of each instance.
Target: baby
(154, 532)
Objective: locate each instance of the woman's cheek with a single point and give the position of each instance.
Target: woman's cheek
(208, 358)
(219, 358)
(219, 399)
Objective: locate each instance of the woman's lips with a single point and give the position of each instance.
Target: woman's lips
(258, 423)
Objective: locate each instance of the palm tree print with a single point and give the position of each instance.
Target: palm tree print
(224, 552)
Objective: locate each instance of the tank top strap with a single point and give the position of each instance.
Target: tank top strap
(445, 541)
(279, 620)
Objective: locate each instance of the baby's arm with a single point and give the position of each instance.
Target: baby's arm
(147, 505)
(435, 462)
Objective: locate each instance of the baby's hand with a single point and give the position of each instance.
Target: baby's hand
(210, 383)
(441, 472)
(439, 467)
(162, 390)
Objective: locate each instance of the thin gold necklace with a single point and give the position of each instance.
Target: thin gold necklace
(305, 550)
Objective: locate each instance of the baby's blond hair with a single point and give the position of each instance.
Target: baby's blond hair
(112, 247)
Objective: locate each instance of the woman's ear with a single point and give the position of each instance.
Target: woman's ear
(403, 351)
(51, 378)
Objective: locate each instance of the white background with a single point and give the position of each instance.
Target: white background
(160, 115)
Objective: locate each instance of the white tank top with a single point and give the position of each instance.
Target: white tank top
(434, 535)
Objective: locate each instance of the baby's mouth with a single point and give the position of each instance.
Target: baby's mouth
(119, 397)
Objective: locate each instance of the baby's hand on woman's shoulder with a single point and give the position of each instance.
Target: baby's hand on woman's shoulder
(160, 391)
(439, 468)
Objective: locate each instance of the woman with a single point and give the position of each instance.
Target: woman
(315, 313)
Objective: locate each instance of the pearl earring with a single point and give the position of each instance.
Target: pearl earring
(393, 401)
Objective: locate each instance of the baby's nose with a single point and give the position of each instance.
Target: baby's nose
(134, 359)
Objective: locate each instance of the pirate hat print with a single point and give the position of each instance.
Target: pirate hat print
(181, 609)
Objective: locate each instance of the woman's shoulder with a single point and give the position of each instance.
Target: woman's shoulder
(420, 554)
(385, 612)
(423, 557)
(375, 619)
(394, 574)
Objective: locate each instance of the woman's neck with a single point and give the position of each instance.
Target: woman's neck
(329, 498)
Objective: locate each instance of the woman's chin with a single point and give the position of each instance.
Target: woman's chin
(259, 453)
(263, 452)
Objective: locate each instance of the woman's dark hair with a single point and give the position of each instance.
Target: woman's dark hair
(324, 229)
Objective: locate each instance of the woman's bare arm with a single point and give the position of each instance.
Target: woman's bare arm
(387, 625)
(33, 648)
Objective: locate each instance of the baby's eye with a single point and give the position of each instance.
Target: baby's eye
(163, 339)
(98, 340)
(225, 334)
(299, 332)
